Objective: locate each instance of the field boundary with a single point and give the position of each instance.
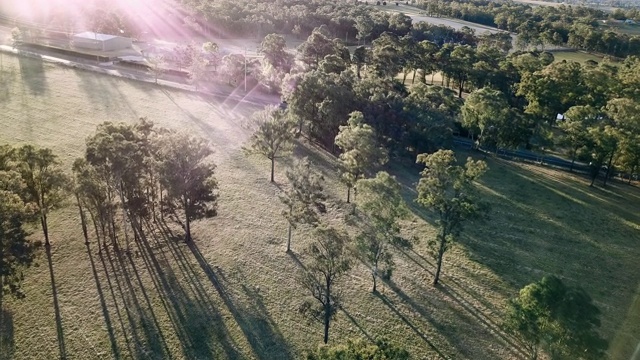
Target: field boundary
(131, 74)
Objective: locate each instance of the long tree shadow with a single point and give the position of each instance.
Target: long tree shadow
(56, 307)
(105, 311)
(192, 319)
(33, 74)
(129, 303)
(262, 334)
(7, 79)
(395, 310)
(7, 341)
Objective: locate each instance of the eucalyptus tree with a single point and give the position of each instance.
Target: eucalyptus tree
(360, 151)
(448, 190)
(382, 204)
(272, 136)
(186, 173)
(304, 199)
(329, 262)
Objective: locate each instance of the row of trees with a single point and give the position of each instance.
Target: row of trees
(514, 102)
(577, 27)
(248, 17)
(444, 187)
(543, 316)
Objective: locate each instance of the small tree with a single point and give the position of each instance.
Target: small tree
(562, 320)
(355, 350)
(303, 198)
(329, 262)
(16, 251)
(157, 62)
(359, 58)
(233, 67)
(212, 55)
(16, 36)
(273, 135)
(274, 49)
(382, 204)
(184, 55)
(46, 185)
(197, 70)
(187, 177)
(360, 151)
(448, 190)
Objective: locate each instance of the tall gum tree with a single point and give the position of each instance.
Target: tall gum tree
(448, 190)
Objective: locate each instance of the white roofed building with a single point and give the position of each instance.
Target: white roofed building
(102, 42)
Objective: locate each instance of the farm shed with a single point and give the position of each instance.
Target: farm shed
(103, 42)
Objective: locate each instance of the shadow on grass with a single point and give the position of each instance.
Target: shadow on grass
(395, 310)
(548, 222)
(7, 78)
(56, 307)
(7, 342)
(136, 317)
(261, 332)
(33, 74)
(195, 321)
(105, 311)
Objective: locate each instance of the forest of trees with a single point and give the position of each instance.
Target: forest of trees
(540, 26)
(514, 98)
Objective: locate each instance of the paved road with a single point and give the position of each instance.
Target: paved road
(416, 15)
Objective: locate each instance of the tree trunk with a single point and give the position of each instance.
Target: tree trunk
(460, 90)
(273, 164)
(374, 275)
(440, 256)
(573, 160)
(327, 312)
(358, 70)
(124, 216)
(348, 194)
(595, 171)
(289, 239)
(83, 221)
(187, 219)
(606, 177)
(413, 81)
(45, 230)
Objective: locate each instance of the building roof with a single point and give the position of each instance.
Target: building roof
(95, 36)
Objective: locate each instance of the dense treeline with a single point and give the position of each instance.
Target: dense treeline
(515, 97)
(577, 27)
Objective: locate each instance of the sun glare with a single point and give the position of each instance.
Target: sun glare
(38, 9)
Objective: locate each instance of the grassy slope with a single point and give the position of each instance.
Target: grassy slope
(163, 304)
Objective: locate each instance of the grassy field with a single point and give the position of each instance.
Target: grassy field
(578, 56)
(623, 28)
(233, 295)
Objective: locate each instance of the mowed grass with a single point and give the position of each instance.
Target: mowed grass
(577, 56)
(234, 295)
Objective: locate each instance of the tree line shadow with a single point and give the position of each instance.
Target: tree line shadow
(7, 341)
(32, 73)
(186, 309)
